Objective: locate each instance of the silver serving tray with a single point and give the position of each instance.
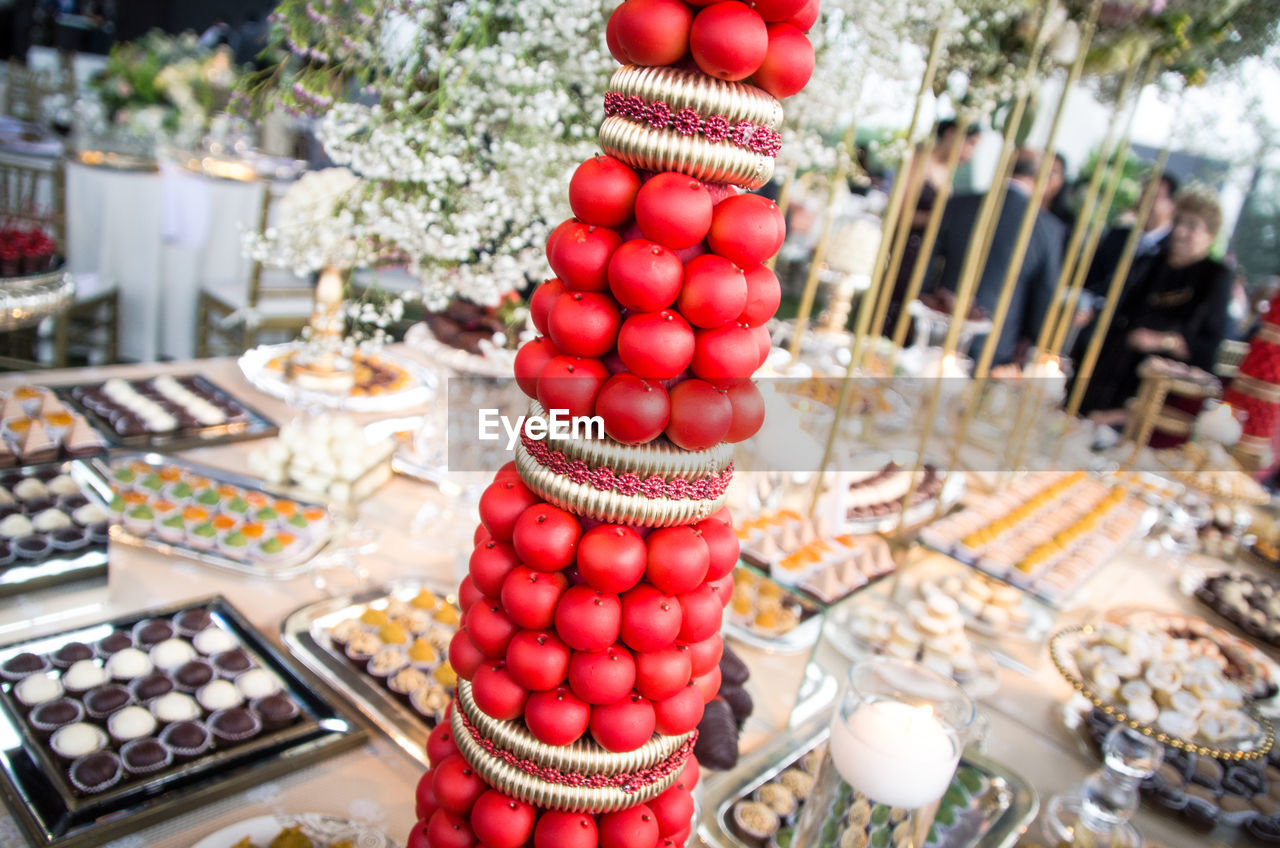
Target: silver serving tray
(58, 567)
(1002, 824)
(305, 633)
(257, 425)
(50, 814)
(286, 569)
(800, 638)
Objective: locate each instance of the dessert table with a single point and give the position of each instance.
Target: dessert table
(374, 783)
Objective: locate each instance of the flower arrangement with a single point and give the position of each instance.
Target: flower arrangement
(159, 88)
(463, 120)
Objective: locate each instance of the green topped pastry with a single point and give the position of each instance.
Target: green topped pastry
(209, 497)
(152, 482)
(237, 505)
(124, 474)
(181, 489)
(267, 513)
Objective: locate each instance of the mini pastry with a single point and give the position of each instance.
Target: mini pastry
(214, 640)
(77, 740)
(219, 695)
(83, 676)
(129, 664)
(131, 723)
(37, 689)
(175, 706)
(171, 654)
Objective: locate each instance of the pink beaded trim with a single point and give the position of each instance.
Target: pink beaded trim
(687, 121)
(627, 483)
(628, 782)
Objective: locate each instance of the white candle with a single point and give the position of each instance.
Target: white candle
(895, 753)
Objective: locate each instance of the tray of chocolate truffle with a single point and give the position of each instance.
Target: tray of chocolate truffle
(383, 381)
(801, 552)
(110, 727)
(167, 412)
(50, 532)
(1208, 792)
(928, 630)
(1046, 533)
(37, 427)
(387, 651)
(758, 804)
(1250, 603)
(212, 516)
(767, 615)
(1178, 679)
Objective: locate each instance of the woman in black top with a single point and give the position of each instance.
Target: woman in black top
(1179, 310)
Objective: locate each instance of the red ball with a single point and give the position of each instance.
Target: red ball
(634, 827)
(689, 774)
(701, 415)
(654, 32)
(623, 725)
(722, 544)
(556, 829)
(584, 323)
(708, 684)
(543, 298)
(748, 411)
(602, 677)
(681, 712)
(635, 410)
(491, 629)
(747, 229)
(700, 613)
(546, 537)
(500, 506)
(538, 660)
(656, 345)
(643, 275)
(464, 656)
(650, 619)
(532, 357)
(661, 674)
(571, 383)
(440, 745)
(764, 293)
(705, 655)
(728, 40)
(611, 37)
(449, 831)
(611, 557)
(674, 209)
(557, 716)
(788, 63)
(496, 692)
(468, 594)
(490, 564)
(424, 798)
(804, 19)
(725, 354)
(480, 535)
(603, 190)
(529, 597)
(589, 620)
(500, 821)
(579, 256)
(673, 810)
(714, 292)
(419, 834)
(764, 344)
(777, 10)
(678, 559)
(456, 785)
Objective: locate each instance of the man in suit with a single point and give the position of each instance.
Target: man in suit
(1036, 278)
(1155, 235)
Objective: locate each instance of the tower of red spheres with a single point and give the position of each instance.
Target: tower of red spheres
(1257, 388)
(591, 613)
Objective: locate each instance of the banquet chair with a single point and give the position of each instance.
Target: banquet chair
(33, 193)
(229, 323)
(23, 91)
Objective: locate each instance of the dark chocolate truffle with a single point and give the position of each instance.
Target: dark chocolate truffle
(152, 686)
(232, 662)
(732, 668)
(95, 772)
(104, 700)
(113, 642)
(739, 701)
(143, 755)
(72, 652)
(152, 632)
(192, 675)
(192, 621)
(23, 664)
(717, 745)
(234, 725)
(276, 710)
(54, 714)
(185, 735)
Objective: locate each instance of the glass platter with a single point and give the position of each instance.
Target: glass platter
(57, 567)
(284, 569)
(305, 634)
(255, 426)
(1007, 807)
(797, 639)
(50, 814)
(257, 365)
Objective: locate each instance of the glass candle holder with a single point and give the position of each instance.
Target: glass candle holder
(1098, 814)
(896, 738)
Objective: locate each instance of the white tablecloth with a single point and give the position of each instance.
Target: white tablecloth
(159, 238)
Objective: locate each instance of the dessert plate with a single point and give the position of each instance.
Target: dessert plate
(261, 367)
(321, 829)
